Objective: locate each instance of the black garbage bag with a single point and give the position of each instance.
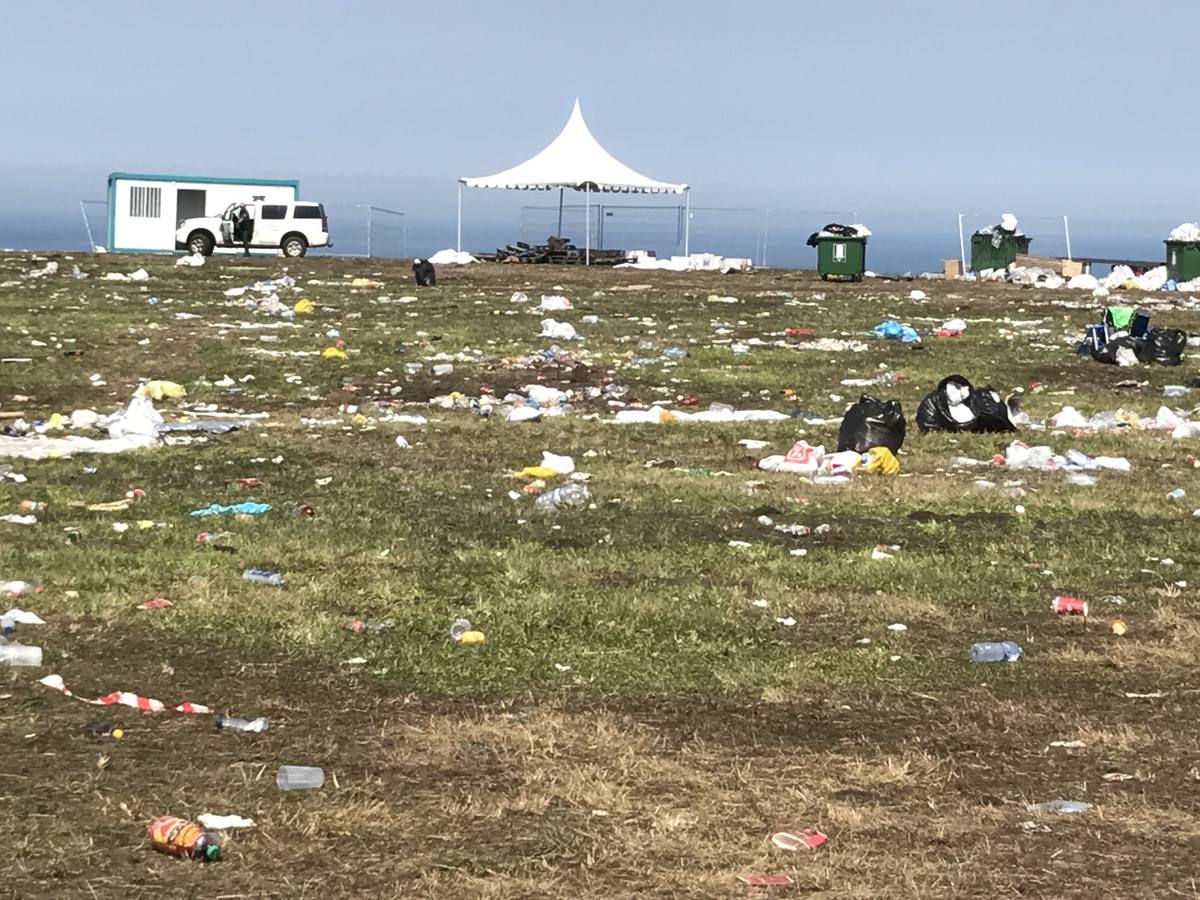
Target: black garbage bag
(424, 272)
(872, 422)
(947, 407)
(955, 405)
(832, 228)
(991, 412)
(1166, 345)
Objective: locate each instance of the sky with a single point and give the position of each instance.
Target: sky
(905, 113)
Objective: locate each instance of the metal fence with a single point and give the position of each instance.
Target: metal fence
(762, 235)
(357, 229)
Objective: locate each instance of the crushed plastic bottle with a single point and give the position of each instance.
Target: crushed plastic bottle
(569, 496)
(264, 576)
(1063, 806)
(299, 778)
(995, 651)
(459, 628)
(179, 837)
(1177, 494)
(246, 726)
(15, 654)
(19, 588)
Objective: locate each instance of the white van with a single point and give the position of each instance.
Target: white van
(292, 227)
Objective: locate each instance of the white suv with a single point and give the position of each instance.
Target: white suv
(292, 227)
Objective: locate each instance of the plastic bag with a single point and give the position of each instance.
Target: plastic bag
(881, 461)
(1167, 345)
(872, 422)
(954, 405)
(424, 273)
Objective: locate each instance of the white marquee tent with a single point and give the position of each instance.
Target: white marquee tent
(575, 160)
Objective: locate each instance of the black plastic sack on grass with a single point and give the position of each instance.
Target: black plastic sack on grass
(991, 413)
(947, 407)
(872, 422)
(1167, 345)
(424, 272)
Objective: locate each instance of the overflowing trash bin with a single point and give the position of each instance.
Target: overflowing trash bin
(998, 246)
(841, 251)
(1183, 252)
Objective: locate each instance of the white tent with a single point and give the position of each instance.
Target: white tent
(575, 160)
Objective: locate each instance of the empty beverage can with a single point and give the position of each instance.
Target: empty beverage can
(1069, 606)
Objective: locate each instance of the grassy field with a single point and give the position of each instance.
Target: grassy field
(639, 720)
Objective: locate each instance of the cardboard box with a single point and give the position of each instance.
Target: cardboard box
(1071, 268)
(953, 268)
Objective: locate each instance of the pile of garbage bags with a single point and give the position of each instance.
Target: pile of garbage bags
(1124, 337)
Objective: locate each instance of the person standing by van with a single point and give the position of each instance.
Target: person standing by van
(243, 227)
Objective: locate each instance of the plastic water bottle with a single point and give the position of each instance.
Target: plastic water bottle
(675, 353)
(1064, 806)
(459, 628)
(179, 837)
(995, 651)
(299, 778)
(264, 576)
(18, 588)
(14, 654)
(572, 496)
(247, 726)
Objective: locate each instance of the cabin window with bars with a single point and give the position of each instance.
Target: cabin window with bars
(145, 202)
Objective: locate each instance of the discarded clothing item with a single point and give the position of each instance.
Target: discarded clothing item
(124, 698)
(245, 508)
(893, 330)
(872, 423)
(954, 405)
(424, 273)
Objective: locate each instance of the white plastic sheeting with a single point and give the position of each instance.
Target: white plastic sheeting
(451, 257)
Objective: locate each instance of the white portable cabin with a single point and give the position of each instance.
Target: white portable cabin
(145, 210)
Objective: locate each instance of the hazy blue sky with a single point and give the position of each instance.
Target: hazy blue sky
(905, 112)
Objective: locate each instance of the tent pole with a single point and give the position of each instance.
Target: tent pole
(587, 212)
(458, 232)
(1067, 232)
(687, 221)
(560, 202)
(962, 245)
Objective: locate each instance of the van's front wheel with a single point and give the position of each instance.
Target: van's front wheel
(200, 242)
(294, 245)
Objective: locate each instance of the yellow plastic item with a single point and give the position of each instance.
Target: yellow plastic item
(881, 461)
(55, 421)
(472, 637)
(333, 353)
(536, 472)
(665, 415)
(157, 390)
(359, 419)
(304, 306)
